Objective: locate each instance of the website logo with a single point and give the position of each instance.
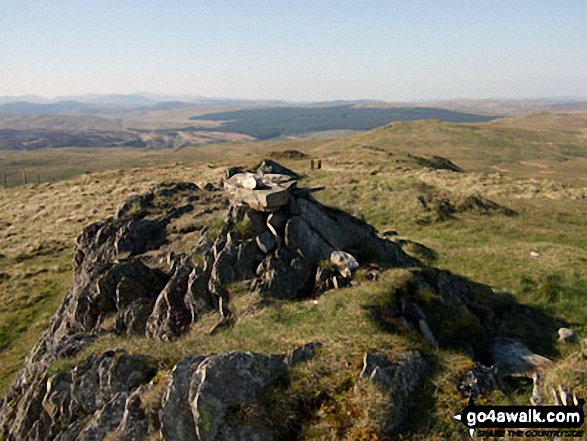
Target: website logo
(500, 418)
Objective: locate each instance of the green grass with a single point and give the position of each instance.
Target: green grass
(29, 297)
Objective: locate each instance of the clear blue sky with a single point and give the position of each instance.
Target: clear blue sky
(295, 49)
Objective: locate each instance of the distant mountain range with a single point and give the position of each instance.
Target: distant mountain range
(93, 104)
(175, 121)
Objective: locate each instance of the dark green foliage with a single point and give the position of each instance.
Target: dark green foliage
(275, 122)
(288, 154)
(483, 206)
(436, 162)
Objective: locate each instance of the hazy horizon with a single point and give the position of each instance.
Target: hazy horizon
(299, 52)
(187, 97)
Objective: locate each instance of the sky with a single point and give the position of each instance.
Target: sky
(298, 50)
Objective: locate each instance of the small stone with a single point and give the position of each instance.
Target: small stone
(346, 273)
(427, 333)
(345, 262)
(584, 347)
(245, 180)
(480, 380)
(566, 335)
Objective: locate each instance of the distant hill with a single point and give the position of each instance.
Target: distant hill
(58, 122)
(514, 107)
(96, 104)
(60, 107)
(287, 121)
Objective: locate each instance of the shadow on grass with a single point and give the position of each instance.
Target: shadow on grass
(464, 315)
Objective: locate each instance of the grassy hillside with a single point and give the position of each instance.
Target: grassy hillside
(65, 163)
(538, 256)
(549, 146)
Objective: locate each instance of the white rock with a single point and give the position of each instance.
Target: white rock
(566, 335)
(344, 261)
(245, 180)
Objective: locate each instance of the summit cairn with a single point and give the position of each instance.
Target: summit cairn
(279, 232)
(267, 190)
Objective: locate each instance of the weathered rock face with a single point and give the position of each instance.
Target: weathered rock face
(95, 392)
(177, 420)
(171, 316)
(205, 393)
(226, 381)
(104, 394)
(113, 290)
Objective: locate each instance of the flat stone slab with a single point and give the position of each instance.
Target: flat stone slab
(260, 200)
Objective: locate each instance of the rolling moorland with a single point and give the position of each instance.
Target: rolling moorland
(507, 209)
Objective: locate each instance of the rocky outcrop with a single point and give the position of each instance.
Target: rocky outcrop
(171, 316)
(224, 382)
(94, 392)
(104, 394)
(280, 245)
(129, 281)
(114, 289)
